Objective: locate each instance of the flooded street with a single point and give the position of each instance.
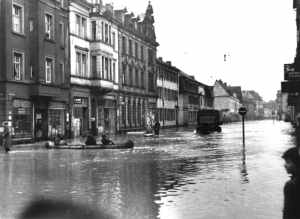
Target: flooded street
(178, 175)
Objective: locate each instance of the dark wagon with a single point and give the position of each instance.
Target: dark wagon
(208, 120)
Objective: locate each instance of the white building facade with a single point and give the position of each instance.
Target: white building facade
(168, 90)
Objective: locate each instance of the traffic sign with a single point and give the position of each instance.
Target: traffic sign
(242, 111)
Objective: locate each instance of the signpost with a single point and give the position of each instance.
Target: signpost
(242, 112)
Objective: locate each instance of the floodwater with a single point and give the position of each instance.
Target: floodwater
(178, 175)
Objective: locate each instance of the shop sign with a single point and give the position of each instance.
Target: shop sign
(290, 73)
(77, 100)
(21, 111)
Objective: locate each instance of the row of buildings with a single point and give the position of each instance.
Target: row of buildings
(71, 66)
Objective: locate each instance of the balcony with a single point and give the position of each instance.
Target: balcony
(97, 84)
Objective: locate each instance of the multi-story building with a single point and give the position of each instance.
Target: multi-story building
(254, 104)
(94, 67)
(227, 98)
(291, 85)
(80, 73)
(137, 69)
(168, 90)
(190, 94)
(34, 57)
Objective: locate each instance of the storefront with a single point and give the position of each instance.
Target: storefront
(80, 120)
(22, 119)
(56, 119)
(107, 113)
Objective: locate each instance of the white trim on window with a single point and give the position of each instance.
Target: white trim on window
(49, 25)
(49, 69)
(18, 18)
(18, 65)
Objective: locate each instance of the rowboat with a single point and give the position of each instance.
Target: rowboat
(126, 145)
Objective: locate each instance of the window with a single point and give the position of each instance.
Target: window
(114, 40)
(150, 56)
(106, 69)
(136, 50)
(142, 79)
(94, 30)
(109, 34)
(18, 66)
(62, 34)
(61, 3)
(49, 26)
(81, 26)
(94, 65)
(123, 45)
(106, 33)
(130, 76)
(31, 25)
(17, 18)
(81, 64)
(62, 71)
(114, 72)
(142, 53)
(130, 47)
(49, 69)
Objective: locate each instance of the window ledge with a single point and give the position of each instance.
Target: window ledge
(49, 40)
(18, 34)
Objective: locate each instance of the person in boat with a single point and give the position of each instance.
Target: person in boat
(291, 189)
(90, 140)
(156, 127)
(105, 140)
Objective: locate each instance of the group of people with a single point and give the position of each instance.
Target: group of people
(105, 140)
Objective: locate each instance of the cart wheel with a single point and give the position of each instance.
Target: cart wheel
(219, 129)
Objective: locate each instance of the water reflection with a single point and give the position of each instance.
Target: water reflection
(180, 172)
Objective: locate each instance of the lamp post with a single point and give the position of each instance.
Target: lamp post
(242, 112)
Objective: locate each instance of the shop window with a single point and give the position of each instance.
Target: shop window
(56, 122)
(22, 119)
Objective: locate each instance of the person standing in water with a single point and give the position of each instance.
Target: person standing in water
(291, 190)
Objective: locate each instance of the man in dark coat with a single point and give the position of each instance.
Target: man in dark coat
(6, 138)
(156, 127)
(291, 208)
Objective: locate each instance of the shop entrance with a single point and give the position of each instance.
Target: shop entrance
(41, 124)
(80, 121)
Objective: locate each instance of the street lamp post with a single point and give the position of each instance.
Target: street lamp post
(242, 112)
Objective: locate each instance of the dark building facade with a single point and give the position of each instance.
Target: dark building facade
(34, 67)
(137, 70)
(291, 83)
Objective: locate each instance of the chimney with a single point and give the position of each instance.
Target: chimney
(169, 63)
(160, 59)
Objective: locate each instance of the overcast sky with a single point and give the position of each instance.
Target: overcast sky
(258, 36)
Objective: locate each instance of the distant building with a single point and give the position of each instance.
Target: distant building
(190, 94)
(227, 98)
(168, 89)
(34, 66)
(254, 104)
(137, 70)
